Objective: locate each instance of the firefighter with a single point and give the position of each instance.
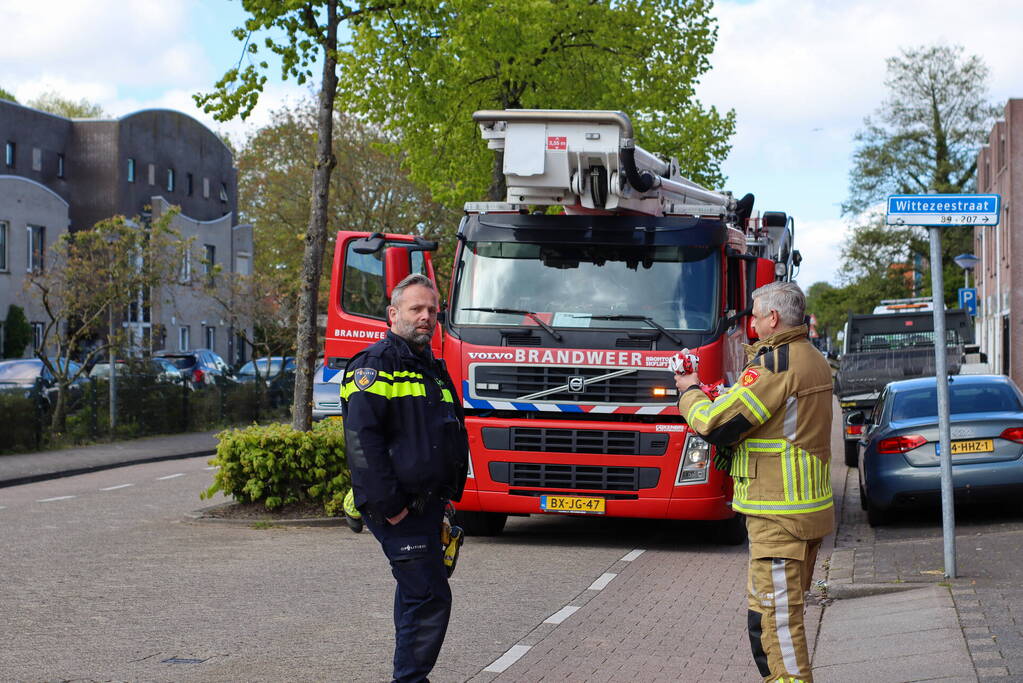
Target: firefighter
(775, 423)
(408, 454)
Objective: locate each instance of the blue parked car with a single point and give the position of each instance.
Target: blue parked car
(899, 465)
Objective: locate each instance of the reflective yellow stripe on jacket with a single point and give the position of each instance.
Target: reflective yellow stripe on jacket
(386, 385)
(807, 487)
(705, 410)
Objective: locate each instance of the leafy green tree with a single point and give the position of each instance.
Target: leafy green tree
(17, 332)
(370, 192)
(924, 137)
(420, 70)
(309, 30)
(87, 273)
(55, 103)
(7, 95)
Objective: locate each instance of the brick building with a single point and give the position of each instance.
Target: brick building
(59, 174)
(999, 276)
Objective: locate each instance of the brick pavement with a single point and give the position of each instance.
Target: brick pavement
(987, 593)
(669, 615)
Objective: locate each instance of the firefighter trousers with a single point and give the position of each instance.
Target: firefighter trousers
(780, 573)
(422, 598)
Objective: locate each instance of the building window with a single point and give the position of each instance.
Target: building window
(242, 264)
(209, 261)
(36, 248)
(205, 188)
(185, 274)
(37, 159)
(3, 245)
(152, 174)
(37, 335)
(190, 182)
(211, 338)
(9, 153)
(131, 170)
(170, 179)
(60, 165)
(183, 338)
(223, 192)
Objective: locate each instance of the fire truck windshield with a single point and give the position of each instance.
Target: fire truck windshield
(582, 286)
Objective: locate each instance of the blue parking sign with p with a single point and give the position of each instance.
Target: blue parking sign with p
(968, 300)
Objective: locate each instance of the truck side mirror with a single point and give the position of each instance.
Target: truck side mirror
(396, 267)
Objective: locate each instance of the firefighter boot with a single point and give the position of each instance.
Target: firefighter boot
(352, 516)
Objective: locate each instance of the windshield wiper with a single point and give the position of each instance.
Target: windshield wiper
(516, 311)
(638, 318)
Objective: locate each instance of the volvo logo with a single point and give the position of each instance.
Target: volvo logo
(576, 384)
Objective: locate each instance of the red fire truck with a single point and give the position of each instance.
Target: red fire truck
(558, 328)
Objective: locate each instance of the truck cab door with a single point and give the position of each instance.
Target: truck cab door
(366, 268)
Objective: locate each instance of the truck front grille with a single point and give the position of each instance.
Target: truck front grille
(593, 477)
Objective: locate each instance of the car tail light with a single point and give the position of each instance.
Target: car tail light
(1013, 434)
(854, 429)
(197, 376)
(900, 444)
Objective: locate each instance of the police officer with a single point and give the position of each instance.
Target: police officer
(776, 424)
(408, 453)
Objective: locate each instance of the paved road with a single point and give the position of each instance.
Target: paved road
(104, 580)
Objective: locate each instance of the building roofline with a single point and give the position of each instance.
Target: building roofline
(37, 184)
(229, 214)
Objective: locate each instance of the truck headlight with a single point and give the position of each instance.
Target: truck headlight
(695, 460)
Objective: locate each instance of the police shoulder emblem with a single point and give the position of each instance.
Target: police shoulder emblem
(749, 377)
(364, 377)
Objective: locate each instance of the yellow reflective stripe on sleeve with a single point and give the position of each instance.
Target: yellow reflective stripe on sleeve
(755, 405)
(386, 389)
(445, 396)
(390, 375)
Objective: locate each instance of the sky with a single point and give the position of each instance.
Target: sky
(801, 76)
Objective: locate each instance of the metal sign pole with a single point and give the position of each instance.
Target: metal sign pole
(948, 523)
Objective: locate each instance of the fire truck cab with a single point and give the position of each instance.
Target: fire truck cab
(558, 327)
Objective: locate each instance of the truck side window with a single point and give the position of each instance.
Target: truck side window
(418, 262)
(363, 288)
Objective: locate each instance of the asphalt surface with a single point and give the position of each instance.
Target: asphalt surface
(612, 604)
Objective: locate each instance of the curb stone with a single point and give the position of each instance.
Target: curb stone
(201, 516)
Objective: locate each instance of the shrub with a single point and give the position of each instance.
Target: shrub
(17, 332)
(276, 465)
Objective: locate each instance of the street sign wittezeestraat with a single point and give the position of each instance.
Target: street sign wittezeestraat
(944, 210)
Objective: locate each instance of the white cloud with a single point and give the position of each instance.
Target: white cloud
(801, 76)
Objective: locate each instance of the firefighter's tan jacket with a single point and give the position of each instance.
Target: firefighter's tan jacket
(777, 421)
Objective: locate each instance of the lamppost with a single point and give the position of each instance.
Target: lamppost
(967, 262)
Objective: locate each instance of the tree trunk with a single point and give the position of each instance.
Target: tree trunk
(498, 187)
(316, 235)
(58, 422)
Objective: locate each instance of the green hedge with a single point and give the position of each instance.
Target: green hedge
(276, 465)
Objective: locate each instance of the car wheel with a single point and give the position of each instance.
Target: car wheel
(852, 455)
(730, 531)
(481, 523)
(876, 516)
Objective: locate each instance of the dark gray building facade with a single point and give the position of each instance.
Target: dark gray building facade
(59, 174)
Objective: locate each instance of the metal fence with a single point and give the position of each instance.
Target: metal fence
(143, 408)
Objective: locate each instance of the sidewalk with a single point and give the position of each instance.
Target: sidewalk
(23, 468)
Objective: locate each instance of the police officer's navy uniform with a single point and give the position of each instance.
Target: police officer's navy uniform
(777, 418)
(407, 448)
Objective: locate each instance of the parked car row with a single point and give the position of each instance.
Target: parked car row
(899, 450)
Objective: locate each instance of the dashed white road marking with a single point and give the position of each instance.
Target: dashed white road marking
(633, 555)
(171, 476)
(507, 659)
(562, 614)
(215, 467)
(3, 507)
(602, 581)
(50, 500)
(119, 486)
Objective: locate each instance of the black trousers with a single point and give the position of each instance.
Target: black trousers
(422, 599)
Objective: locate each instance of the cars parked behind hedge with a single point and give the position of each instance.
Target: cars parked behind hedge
(899, 462)
(30, 378)
(199, 367)
(326, 394)
(276, 372)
